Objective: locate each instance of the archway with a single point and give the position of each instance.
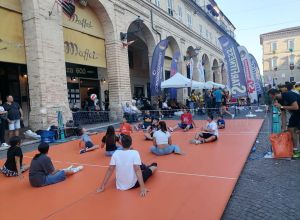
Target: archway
(216, 72)
(139, 55)
(206, 66)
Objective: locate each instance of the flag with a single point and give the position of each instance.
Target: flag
(174, 70)
(250, 78)
(235, 70)
(257, 76)
(157, 65)
(68, 7)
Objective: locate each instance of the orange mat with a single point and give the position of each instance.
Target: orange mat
(195, 186)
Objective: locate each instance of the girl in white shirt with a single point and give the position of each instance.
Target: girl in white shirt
(162, 142)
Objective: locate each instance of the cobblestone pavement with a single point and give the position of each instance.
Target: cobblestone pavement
(266, 189)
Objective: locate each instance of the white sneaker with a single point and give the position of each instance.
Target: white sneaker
(68, 169)
(232, 116)
(4, 146)
(77, 169)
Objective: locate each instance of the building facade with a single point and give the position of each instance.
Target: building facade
(51, 62)
(281, 56)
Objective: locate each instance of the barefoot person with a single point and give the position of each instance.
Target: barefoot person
(87, 141)
(14, 163)
(163, 143)
(186, 123)
(42, 171)
(130, 172)
(209, 134)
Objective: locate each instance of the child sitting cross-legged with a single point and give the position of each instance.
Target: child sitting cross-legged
(110, 140)
(130, 172)
(88, 144)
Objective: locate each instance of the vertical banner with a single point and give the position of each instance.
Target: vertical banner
(157, 66)
(250, 79)
(201, 71)
(257, 76)
(174, 70)
(235, 70)
(191, 70)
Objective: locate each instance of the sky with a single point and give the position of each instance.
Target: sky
(254, 17)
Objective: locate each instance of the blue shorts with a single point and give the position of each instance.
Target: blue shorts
(183, 126)
(55, 178)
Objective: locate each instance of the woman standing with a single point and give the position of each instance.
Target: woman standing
(162, 142)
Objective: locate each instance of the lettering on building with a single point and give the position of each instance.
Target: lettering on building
(73, 49)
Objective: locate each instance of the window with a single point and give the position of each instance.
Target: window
(274, 63)
(292, 59)
(189, 20)
(180, 12)
(207, 34)
(170, 7)
(292, 79)
(157, 2)
(200, 29)
(273, 46)
(291, 45)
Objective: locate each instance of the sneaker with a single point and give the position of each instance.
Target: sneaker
(4, 146)
(193, 141)
(82, 151)
(69, 168)
(136, 127)
(232, 116)
(77, 169)
(153, 165)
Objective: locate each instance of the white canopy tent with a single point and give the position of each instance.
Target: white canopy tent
(179, 81)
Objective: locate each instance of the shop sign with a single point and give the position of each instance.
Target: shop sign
(84, 49)
(75, 70)
(85, 21)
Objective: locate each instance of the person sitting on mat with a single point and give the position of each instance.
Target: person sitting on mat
(125, 128)
(221, 122)
(150, 131)
(42, 171)
(86, 139)
(186, 123)
(110, 140)
(14, 163)
(162, 142)
(130, 172)
(209, 134)
(147, 120)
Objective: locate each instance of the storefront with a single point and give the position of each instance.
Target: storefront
(13, 71)
(85, 57)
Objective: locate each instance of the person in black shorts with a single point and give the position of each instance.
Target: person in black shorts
(288, 101)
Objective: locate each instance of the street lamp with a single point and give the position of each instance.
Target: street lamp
(292, 64)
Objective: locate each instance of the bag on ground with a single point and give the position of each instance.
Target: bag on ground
(282, 145)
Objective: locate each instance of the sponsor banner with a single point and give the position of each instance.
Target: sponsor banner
(235, 70)
(157, 65)
(201, 71)
(250, 79)
(12, 47)
(257, 76)
(174, 70)
(84, 49)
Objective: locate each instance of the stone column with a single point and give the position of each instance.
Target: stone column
(45, 63)
(118, 78)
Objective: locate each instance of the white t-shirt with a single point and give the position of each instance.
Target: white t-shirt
(161, 137)
(125, 175)
(213, 126)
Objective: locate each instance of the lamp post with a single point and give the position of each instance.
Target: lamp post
(292, 63)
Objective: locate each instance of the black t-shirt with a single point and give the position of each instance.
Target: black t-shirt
(10, 163)
(40, 168)
(110, 143)
(13, 111)
(288, 98)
